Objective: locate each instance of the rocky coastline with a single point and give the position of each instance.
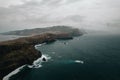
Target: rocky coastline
(21, 51)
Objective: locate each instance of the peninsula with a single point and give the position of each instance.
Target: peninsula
(21, 51)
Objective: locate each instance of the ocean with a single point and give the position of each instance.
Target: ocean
(89, 57)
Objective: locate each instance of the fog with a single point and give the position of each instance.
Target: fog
(102, 15)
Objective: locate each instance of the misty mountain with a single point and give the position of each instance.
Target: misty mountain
(37, 31)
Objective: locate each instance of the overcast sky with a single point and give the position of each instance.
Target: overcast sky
(87, 14)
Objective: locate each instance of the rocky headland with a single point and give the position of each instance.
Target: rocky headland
(21, 51)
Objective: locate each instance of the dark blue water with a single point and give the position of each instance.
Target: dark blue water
(99, 52)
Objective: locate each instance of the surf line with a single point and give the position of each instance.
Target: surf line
(36, 64)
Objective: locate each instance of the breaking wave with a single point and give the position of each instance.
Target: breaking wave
(79, 61)
(38, 63)
(13, 73)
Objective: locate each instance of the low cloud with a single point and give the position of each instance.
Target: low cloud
(88, 14)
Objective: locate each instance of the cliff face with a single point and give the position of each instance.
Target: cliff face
(15, 53)
(16, 57)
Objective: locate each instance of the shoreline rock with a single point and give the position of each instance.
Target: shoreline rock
(21, 51)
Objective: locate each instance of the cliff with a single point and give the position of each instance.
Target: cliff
(15, 53)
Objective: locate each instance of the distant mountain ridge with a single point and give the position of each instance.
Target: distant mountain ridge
(37, 31)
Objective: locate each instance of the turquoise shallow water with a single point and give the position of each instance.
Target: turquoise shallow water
(88, 57)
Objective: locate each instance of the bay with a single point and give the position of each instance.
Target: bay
(88, 57)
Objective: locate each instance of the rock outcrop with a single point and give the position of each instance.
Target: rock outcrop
(15, 53)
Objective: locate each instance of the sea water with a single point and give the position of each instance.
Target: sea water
(88, 57)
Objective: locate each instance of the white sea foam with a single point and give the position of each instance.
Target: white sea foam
(38, 63)
(36, 46)
(13, 72)
(79, 61)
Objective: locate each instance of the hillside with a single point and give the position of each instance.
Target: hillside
(37, 31)
(15, 53)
